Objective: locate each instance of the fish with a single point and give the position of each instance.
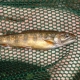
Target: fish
(37, 39)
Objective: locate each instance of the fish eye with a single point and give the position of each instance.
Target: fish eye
(67, 35)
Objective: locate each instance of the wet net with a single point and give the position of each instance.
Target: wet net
(26, 64)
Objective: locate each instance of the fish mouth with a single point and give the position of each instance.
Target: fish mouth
(69, 40)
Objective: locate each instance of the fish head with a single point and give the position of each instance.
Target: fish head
(63, 38)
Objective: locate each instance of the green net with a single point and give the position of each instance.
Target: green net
(26, 64)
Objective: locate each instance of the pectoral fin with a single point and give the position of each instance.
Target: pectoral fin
(49, 42)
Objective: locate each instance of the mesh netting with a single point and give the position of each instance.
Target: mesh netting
(26, 64)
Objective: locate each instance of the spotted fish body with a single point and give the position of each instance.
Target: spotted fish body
(37, 39)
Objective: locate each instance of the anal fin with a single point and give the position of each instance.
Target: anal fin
(6, 45)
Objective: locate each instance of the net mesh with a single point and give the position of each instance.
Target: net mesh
(26, 64)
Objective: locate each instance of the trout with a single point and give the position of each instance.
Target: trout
(37, 39)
